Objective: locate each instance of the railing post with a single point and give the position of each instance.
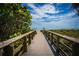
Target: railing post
(25, 44)
(47, 35)
(1, 52)
(44, 32)
(50, 36)
(32, 36)
(51, 39)
(75, 49)
(8, 50)
(29, 40)
(57, 50)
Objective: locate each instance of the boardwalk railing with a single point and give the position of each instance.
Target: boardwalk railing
(17, 45)
(62, 44)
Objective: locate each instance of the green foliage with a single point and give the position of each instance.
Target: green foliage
(14, 20)
(71, 32)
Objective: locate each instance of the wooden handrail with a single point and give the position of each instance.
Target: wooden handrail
(9, 41)
(66, 37)
(7, 47)
(58, 43)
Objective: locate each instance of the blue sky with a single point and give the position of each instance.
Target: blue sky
(53, 16)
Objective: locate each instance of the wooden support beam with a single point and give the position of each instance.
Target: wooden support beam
(75, 49)
(52, 39)
(8, 50)
(25, 44)
(1, 52)
(29, 40)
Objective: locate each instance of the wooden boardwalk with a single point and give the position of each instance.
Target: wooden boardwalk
(39, 46)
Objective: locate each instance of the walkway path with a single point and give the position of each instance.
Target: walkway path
(38, 46)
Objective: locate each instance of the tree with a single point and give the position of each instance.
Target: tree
(14, 20)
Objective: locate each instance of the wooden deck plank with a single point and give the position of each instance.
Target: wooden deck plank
(39, 46)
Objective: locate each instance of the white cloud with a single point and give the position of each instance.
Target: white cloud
(48, 8)
(35, 16)
(38, 11)
(67, 15)
(41, 12)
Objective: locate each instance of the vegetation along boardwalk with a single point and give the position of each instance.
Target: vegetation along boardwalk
(39, 46)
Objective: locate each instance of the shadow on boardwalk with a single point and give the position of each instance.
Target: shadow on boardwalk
(39, 46)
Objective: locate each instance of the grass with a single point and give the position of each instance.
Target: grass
(72, 33)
